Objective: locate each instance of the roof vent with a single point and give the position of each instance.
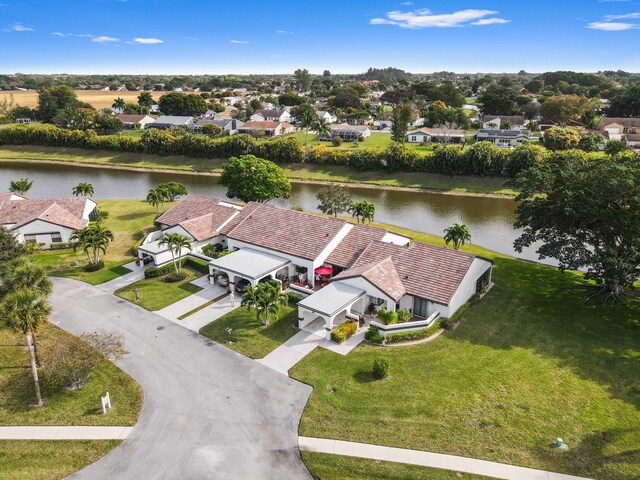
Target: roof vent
(406, 277)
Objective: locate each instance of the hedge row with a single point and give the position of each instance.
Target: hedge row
(412, 336)
(198, 265)
(154, 272)
(481, 159)
(342, 332)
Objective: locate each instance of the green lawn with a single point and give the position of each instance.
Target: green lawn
(335, 467)
(377, 140)
(532, 361)
(249, 336)
(155, 293)
(49, 460)
(78, 407)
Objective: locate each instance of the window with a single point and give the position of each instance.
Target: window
(30, 239)
(420, 307)
(56, 237)
(375, 300)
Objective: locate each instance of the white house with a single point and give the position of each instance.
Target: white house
(275, 115)
(348, 133)
(439, 135)
(44, 221)
(327, 116)
(228, 125)
(504, 138)
(265, 128)
(136, 121)
(167, 121)
(495, 122)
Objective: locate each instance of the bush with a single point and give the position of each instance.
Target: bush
(402, 337)
(380, 368)
(373, 335)
(337, 141)
(197, 264)
(154, 272)
(174, 277)
(61, 245)
(294, 298)
(94, 267)
(343, 331)
(404, 316)
(613, 147)
(389, 317)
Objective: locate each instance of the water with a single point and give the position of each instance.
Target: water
(489, 219)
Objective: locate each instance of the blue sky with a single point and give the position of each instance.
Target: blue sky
(344, 36)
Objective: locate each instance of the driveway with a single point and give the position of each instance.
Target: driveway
(208, 411)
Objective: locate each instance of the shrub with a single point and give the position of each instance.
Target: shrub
(337, 141)
(294, 298)
(373, 335)
(401, 337)
(614, 147)
(174, 277)
(380, 368)
(343, 331)
(154, 272)
(404, 316)
(60, 245)
(297, 207)
(94, 267)
(557, 138)
(388, 316)
(197, 264)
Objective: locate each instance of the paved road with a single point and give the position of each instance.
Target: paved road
(208, 412)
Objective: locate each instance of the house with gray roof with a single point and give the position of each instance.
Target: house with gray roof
(497, 122)
(167, 121)
(504, 138)
(230, 126)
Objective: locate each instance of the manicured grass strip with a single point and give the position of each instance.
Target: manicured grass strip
(249, 336)
(156, 294)
(336, 467)
(66, 263)
(77, 407)
(49, 460)
(201, 307)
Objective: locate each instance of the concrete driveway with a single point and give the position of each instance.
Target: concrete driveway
(208, 411)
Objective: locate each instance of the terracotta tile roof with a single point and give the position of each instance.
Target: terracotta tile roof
(624, 121)
(66, 212)
(266, 125)
(207, 226)
(6, 196)
(126, 118)
(295, 233)
(244, 213)
(426, 271)
(191, 206)
(352, 246)
(382, 274)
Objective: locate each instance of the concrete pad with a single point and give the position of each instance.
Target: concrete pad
(344, 348)
(208, 293)
(292, 351)
(209, 314)
(137, 273)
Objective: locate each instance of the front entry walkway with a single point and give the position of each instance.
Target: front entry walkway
(137, 273)
(208, 293)
(428, 459)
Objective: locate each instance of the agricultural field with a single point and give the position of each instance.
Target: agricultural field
(98, 98)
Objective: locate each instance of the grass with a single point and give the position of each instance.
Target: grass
(129, 220)
(377, 141)
(532, 361)
(297, 171)
(98, 98)
(156, 294)
(49, 460)
(202, 307)
(77, 407)
(249, 337)
(335, 467)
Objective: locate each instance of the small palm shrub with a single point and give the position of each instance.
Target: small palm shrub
(380, 368)
(404, 316)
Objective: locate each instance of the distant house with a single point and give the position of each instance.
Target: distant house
(617, 127)
(504, 138)
(633, 140)
(438, 135)
(327, 116)
(44, 221)
(266, 128)
(546, 124)
(348, 133)
(275, 115)
(167, 121)
(495, 122)
(415, 121)
(136, 121)
(228, 125)
(230, 101)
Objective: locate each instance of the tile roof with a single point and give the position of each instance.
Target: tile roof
(288, 231)
(382, 274)
(353, 128)
(266, 125)
(482, 133)
(266, 113)
(437, 131)
(192, 206)
(515, 119)
(625, 122)
(66, 212)
(244, 213)
(352, 246)
(6, 196)
(132, 118)
(174, 120)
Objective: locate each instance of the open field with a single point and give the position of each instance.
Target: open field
(49, 460)
(98, 98)
(377, 141)
(532, 361)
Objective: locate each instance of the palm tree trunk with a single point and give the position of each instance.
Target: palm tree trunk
(34, 369)
(35, 349)
(180, 261)
(173, 258)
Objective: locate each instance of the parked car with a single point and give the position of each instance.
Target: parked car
(242, 285)
(223, 281)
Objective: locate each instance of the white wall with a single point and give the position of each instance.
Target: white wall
(319, 261)
(42, 230)
(468, 286)
(372, 290)
(89, 206)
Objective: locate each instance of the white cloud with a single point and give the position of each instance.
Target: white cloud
(284, 32)
(147, 41)
(60, 34)
(425, 18)
(611, 26)
(18, 27)
(105, 39)
(242, 42)
(626, 16)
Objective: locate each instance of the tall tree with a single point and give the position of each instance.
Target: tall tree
(334, 199)
(321, 126)
(118, 104)
(176, 242)
(584, 213)
(563, 108)
(94, 240)
(10, 248)
(458, 235)
(306, 116)
(176, 103)
(401, 118)
(83, 189)
(145, 100)
(253, 179)
(362, 211)
(56, 100)
(303, 79)
(20, 186)
(266, 299)
(157, 197)
(172, 190)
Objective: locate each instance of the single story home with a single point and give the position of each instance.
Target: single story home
(387, 122)
(436, 135)
(495, 122)
(167, 121)
(633, 140)
(348, 133)
(228, 125)
(504, 138)
(266, 128)
(275, 115)
(616, 127)
(136, 121)
(546, 124)
(44, 221)
(327, 116)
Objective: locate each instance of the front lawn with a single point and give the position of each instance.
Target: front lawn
(77, 407)
(70, 264)
(376, 141)
(50, 459)
(531, 362)
(249, 337)
(156, 293)
(336, 467)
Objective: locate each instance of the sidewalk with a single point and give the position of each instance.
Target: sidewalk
(137, 273)
(208, 293)
(64, 433)
(428, 459)
(207, 315)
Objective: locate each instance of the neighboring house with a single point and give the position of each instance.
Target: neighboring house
(438, 135)
(387, 122)
(167, 121)
(545, 124)
(230, 101)
(348, 133)
(136, 121)
(266, 128)
(327, 116)
(44, 221)
(617, 127)
(228, 125)
(633, 140)
(264, 115)
(504, 138)
(494, 122)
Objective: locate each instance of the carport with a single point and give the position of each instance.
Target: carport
(249, 264)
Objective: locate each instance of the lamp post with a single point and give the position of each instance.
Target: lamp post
(135, 291)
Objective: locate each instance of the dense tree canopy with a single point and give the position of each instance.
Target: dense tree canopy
(253, 179)
(176, 103)
(498, 99)
(626, 103)
(562, 108)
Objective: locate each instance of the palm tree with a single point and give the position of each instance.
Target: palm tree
(176, 243)
(306, 115)
(94, 240)
(458, 234)
(380, 114)
(118, 103)
(83, 118)
(83, 188)
(362, 211)
(26, 311)
(145, 100)
(157, 198)
(20, 186)
(320, 125)
(266, 298)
